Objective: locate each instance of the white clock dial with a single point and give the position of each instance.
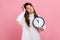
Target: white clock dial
(38, 22)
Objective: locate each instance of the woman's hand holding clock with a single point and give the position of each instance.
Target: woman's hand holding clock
(40, 29)
(39, 22)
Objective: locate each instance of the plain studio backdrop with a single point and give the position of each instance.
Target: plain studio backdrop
(48, 9)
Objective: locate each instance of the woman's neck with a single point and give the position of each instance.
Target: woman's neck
(31, 14)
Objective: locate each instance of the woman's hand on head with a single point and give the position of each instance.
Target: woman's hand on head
(23, 8)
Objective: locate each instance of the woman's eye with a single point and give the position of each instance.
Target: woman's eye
(27, 8)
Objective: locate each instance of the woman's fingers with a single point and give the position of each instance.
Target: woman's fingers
(23, 8)
(41, 29)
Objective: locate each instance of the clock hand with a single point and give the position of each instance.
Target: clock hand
(37, 20)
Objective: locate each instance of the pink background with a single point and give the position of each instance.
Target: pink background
(11, 30)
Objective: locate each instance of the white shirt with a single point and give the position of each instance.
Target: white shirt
(28, 33)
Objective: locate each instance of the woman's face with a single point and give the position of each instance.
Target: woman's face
(30, 8)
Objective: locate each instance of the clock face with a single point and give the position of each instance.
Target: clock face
(38, 22)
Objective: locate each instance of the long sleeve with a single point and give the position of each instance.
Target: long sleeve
(20, 18)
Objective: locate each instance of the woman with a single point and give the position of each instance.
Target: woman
(25, 20)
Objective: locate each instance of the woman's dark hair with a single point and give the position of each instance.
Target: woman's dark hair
(26, 15)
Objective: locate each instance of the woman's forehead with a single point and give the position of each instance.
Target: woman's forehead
(28, 6)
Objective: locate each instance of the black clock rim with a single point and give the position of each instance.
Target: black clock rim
(38, 17)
